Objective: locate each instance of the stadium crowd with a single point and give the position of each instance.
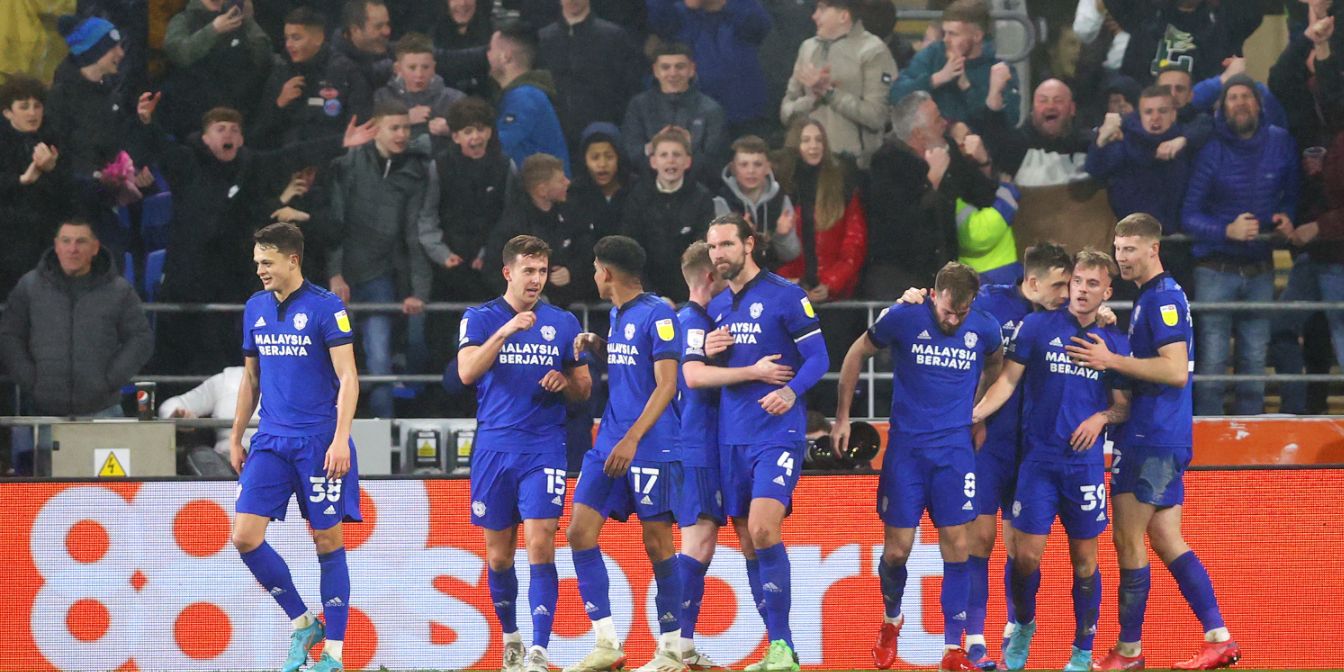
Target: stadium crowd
(410, 140)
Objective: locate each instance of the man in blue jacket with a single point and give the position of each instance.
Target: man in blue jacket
(956, 71)
(528, 123)
(1245, 182)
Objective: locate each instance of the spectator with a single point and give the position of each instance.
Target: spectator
(73, 331)
(841, 78)
(725, 36)
(957, 70)
(628, 14)
(34, 179)
(217, 185)
(366, 28)
(1095, 27)
(749, 188)
(464, 24)
(419, 89)
(220, 58)
(985, 239)
(216, 397)
(1060, 202)
(461, 35)
(303, 201)
(676, 103)
(474, 179)
(667, 213)
(827, 216)
(1208, 93)
(384, 201)
(1195, 34)
(1144, 160)
(1307, 78)
(539, 210)
(527, 122)
(596, 67)
(88, 112)
(313, 92)
(1122, 95)
(913, 185)
(601, 189)
(1245, 182)
(1198, 125)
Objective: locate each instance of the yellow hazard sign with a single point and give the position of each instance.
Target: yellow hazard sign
(112, 462)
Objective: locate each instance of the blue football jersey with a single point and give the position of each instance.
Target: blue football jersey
(1007, 306)
(1060, 395)
(699, 408)
(290, 341)
(643, 331)
(1160, 415)
(770, 316)
(936, 374)
(514, 414)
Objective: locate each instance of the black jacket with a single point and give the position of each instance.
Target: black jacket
(333, 89)
(71, 343)
(1210, 33)
(91, 120)
(571, 247)
(376, 68)
(472, 195)
(912, 225)
(651, 111)
(29, 213)
(596, 69)
(210, 70)
(665, 225)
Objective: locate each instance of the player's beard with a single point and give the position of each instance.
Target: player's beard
(733, 270)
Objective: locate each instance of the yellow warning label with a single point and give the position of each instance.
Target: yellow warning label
(111, 467)
(425, 448)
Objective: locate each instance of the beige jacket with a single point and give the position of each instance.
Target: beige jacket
(855, 112)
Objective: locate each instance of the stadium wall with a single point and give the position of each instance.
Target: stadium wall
(141, 575)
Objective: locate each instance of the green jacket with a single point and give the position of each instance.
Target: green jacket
(955, 104)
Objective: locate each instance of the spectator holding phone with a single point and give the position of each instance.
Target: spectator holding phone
(220, 58)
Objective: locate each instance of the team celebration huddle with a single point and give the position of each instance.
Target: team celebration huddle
(1003, 397)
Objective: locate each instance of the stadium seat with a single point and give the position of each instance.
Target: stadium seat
(155, 214)
(154, 274)
(123, 217)
(128, 268)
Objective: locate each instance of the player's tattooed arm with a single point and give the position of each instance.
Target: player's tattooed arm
(1171, 366)
(1085, 436)
(578, 383)
(998, 392)
(1119, 411)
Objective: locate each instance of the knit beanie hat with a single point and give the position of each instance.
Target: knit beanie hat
(1239, 80)
(89, 39)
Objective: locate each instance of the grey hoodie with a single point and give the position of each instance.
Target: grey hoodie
(437, 95)
(764, 213)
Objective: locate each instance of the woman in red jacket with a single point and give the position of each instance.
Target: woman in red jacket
(827, 216)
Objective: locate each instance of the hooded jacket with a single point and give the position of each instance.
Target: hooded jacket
(587, 203)
(72, 343)
(652, 110)
(385, 210)
(665, 224)
(954, 103)
(763, 212)
(854, 113)
(1136, 180)
(1231, 175)
(333, 90)
(211, 69)
(527, 122)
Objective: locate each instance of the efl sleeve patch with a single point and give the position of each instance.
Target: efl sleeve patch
(342, 321)
(807, 308)
(665, 329)
(1170, 315)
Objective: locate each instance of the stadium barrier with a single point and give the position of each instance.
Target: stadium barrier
(141, 575)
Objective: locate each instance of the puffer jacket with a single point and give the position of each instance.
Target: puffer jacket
(1259, 175)
(855, 112)
(1136, 180)
(840, 251)
(71, 343)
(528, 123)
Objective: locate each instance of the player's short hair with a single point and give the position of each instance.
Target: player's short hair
(1156, 91)
(538, 168)
(696, 257)
(1140, 224)
(1090, 257)
(750, 144)
(283, 236)
(1044, 257)
(226, 115)
(470, 111)
(744, 228)
(390, 107)
(675, 134)
(621, 253)
(525, 246)
(968, 11)
(673, 49)
(355, 13)
(19, 87)
(414, 43)
(958, 279)
(306, 17)
(522, 40)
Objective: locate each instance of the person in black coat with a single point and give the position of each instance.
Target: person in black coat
(34, 179)
(1195, 34)
(538, 209)
(596, 66)
(474, 180)
(312, 92)
(603, 183)
(667, 213)
(87, 108)
(366, 29)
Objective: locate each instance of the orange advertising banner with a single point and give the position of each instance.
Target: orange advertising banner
(142, 576)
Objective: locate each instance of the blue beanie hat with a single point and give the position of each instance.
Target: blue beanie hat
(89, 39)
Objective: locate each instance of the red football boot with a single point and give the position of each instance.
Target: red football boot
(1212, 656)
(1115, 661)
(956, 660)
(884, 650)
